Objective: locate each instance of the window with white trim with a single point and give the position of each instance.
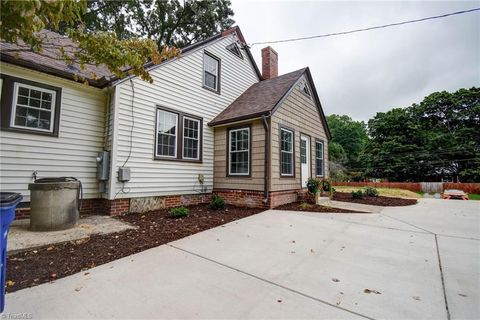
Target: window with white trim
(167, 123)
(191, 138)
(33, 108)
(319, 158)
(286, 152)
(239, 152)
(211, 72)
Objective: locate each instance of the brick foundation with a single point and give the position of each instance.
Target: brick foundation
(242, 198)
(248, 198)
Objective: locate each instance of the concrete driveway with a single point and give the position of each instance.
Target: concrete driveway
(418, 262)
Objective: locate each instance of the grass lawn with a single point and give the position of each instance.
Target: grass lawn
(385, 192)
(473, 196)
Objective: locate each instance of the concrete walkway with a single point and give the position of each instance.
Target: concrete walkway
(418, 262)
(360, 207)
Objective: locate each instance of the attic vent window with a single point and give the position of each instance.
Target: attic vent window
(305, 89)
(233, 48)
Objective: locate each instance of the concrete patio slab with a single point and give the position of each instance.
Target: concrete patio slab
(285, 264)
(166, 283)
(443, 217)
(20, 238)
(461, 270)
(309, 254)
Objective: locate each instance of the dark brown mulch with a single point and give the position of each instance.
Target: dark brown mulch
(48, 263)
(299, 206)
(377, 201)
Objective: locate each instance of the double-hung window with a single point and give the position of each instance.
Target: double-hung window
(211, 72)
(178, 136)
(319, 158)
(239, 152)
(29, 106)
(287, 166)
(191, 138)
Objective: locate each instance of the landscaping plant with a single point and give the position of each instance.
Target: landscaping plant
(357, 194)
(217, 202)
(371, 192)
(178, 212)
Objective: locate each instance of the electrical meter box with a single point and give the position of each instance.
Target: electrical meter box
(103, 163)
(123, 174)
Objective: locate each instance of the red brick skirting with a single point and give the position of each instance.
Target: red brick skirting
(249, 198)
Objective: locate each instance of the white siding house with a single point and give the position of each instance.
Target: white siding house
(178, 87)
(71, 153)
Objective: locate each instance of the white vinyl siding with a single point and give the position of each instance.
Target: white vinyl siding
(72, 153)
(178, 86)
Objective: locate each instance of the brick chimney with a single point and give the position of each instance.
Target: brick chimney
(269, 63)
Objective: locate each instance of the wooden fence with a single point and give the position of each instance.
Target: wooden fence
(416, 186)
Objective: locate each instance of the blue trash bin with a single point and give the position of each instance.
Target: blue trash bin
(8, 204)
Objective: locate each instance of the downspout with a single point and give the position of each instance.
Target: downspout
(267, 159)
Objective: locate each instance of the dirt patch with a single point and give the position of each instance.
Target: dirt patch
(376, 201)
(51, 262)
(301, 206)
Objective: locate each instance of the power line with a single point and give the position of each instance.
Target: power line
(369, 28)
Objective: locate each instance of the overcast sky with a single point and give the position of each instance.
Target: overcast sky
(365, 73)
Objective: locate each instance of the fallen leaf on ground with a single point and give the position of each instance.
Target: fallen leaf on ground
(462, 295)
(78, 289)
(336, 280)
(312, 251)
(49, 248)
(279, 301)
(416, 298)
(371, 291)
(9, 283)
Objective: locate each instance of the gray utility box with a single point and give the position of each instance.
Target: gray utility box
(54, 205)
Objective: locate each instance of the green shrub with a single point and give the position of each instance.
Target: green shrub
(313, 185)
(371, 192)
(179, 212)
(326, 185)
(357, 194)
(217, 202)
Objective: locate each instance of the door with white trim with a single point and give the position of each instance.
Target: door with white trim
(305, 159)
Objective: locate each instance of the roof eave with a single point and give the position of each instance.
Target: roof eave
(214, 123)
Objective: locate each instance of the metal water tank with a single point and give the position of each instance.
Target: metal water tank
(54, 203)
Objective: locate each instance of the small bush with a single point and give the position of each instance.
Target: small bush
(179, 212)
(371, 192)
(217, 202)
(305, 205)
(357, 194)
(313, 185)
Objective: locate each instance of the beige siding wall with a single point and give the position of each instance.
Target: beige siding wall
(298, 112)
(177, 85)
(72, 153)
(256, 180)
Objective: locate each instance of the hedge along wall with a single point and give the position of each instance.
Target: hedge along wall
(412, 186)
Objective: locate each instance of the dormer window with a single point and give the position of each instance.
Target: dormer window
(305, 89)
(233, 48)
(211, 72)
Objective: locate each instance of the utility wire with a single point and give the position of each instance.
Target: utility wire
(369, 28)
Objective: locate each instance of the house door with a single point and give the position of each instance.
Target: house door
(305, 159)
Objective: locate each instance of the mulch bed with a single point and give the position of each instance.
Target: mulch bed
(377, 201)
(48, 263)
(299, 206)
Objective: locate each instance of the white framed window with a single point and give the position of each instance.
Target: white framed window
(191, 138)
(167, 124)
(211, 72)
(239, 152)
(319, 158)
(33, 108)
(287, 165)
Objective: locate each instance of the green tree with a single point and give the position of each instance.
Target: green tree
(440, 137)
(351, 136)
(164, 21)
(21, 22)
